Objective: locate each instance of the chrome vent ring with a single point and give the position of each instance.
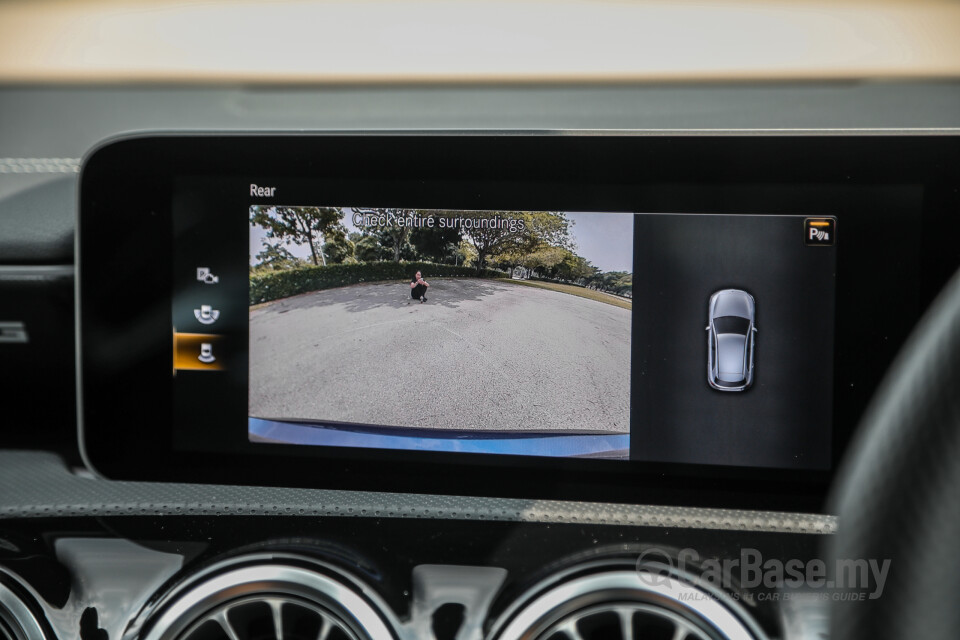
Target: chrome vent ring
(625, 621)
(17, 621)
(620, 604)
(270, 617)
(269, 600)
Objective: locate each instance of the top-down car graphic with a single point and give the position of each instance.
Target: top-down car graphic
(730, 333)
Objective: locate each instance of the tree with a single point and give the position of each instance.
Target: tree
(618, 282)
(522, 233)
(489, 240)
(465, 255)
(575, 268)
(367, 248)
(545, 258)
(299, 226)
(434, 243)
(547, 229)
(339, 248)
(275, 257)
(393, 235)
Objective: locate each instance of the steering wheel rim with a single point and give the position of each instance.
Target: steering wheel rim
(897, 493)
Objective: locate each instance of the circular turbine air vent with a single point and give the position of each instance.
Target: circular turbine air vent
(265, 617)
(17, 621)
(268, 601)
(624, 620)
(625, 605)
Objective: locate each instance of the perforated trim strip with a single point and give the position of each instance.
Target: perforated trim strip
(37, 484)
(39, 165)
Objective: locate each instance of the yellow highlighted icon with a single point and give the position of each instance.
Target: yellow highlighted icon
(197, 352)
(820, 232)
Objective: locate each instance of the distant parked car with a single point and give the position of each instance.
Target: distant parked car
(730, 338)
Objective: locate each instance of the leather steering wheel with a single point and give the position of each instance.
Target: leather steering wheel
(897, 494)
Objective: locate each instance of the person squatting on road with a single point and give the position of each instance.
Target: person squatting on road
(418, 288)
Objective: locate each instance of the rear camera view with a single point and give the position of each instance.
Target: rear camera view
(475, 331)
(763, 287)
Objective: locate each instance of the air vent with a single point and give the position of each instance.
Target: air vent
(270, 618)
(622, 621)
(270, 601)
(6, 633)
(17, 621)
(621, 605)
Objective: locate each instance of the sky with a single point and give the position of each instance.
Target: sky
(605, 239)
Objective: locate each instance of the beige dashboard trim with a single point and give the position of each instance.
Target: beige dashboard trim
(476, 41)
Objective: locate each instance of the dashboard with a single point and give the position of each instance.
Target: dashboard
(163, 475)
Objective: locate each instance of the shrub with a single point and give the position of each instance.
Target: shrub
(272, 285)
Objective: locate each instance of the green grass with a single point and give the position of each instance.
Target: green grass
(574, 290)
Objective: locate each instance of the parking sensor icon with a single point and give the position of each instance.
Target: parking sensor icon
(206, 314)
(820, 232)
(206, 353)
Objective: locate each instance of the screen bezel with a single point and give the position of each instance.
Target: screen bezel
(132, 179)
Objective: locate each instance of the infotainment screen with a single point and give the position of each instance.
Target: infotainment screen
(598, 317)
(510, 332)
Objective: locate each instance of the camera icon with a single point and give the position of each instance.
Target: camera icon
(205, 276)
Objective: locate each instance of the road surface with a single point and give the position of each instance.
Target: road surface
(479, 354)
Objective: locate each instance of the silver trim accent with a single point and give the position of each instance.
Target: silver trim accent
(78, 361)
(436, 585)
(221, 615)
(31, 272)
(39, 165)
(209, 594)
(683, 628)
(117, 588)
(804, 615)
(16, 615)
(692, 610)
